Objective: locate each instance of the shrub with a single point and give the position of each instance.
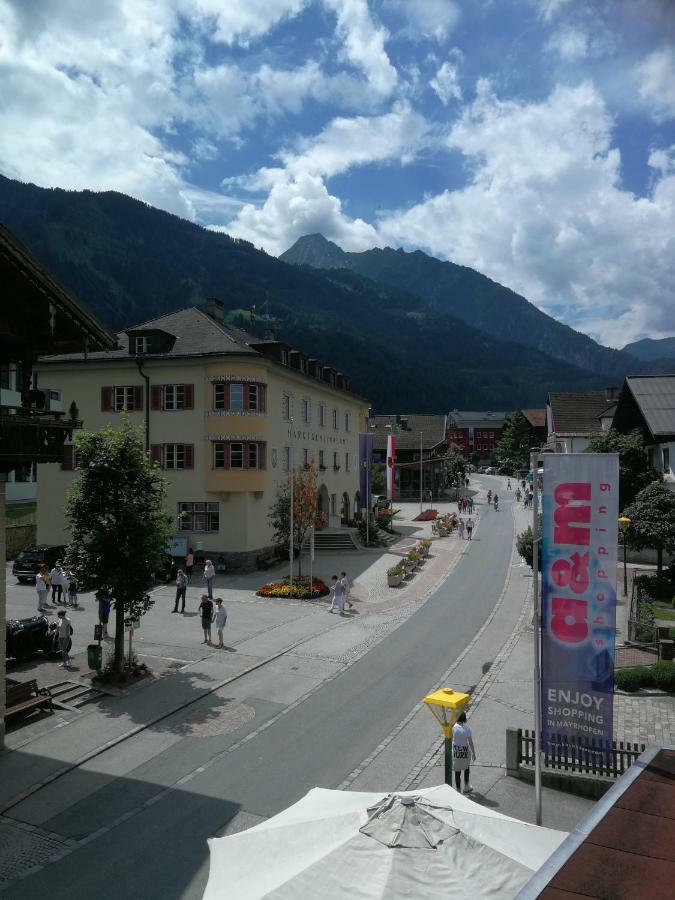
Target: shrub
(301, 590)
(524, 543)
(425, 542)
(664, 675)
(656, 586)
(632, 679)
(396, 570)
(645, 634)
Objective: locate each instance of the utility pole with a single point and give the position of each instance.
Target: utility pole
(421, 472)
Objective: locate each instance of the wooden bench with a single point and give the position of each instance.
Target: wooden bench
(23, 695)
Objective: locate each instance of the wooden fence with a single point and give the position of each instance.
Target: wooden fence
(565, 755)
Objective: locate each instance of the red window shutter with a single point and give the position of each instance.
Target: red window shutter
(106, 399)
(262, 394)
(262, 455)
(189, 456)
(189, 394)
(246, 396)
(138, 397)
(68, 457)
(156, 454)
(226, 455)
(155, 396)
(227, 395)
(245, 449)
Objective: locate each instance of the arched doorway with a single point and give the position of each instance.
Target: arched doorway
(344, 513)
(357, 505)
(323, 502)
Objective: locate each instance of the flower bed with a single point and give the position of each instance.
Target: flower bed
(426, 516)
(301, 590)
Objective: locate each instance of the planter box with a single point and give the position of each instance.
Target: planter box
(394, 580)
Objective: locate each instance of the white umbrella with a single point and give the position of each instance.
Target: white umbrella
(431, 843)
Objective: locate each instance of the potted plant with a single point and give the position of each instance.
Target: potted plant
(395, 575)
(414, 558)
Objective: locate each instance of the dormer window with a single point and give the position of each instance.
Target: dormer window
(141, 344)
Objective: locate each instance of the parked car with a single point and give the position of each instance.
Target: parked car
(29, 562)
(382, 502)
(24, 637)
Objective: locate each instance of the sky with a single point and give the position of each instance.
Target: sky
(533, 140)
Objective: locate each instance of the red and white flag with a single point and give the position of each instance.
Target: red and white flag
(391, 458)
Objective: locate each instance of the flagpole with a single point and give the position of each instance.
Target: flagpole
(534, 465)
(421, 471)
(290, 467)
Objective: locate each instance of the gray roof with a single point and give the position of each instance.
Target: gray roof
(408, 438)
(476, 418)
(655, 395)
(196, 334)
(579, 412)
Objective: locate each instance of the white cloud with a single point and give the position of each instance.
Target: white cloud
(364, 43)
(428, 18)
(663, 160)
(570, 44)
(544, 214)
(656, 83)
(238, 21)
(446, 83)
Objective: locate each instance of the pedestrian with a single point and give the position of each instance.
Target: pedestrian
(463, 751)
(337, 601)
(41, 589)
(346, 589)
(72, 589)
(508, 485)
(65, 630)
(523, 484)
(469, 528)
(220, 618)
(173, 569)
(206, 613)
(209, 575)
(470, 503)
(460, 529)
(189, 563)
(57, 579)
(181, 590)
(518, 495)
(103, 600)
(467, 483)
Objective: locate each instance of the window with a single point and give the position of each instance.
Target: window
(174, 396)
(219, 396)
(287, 459)
(236, 456)
(305, 406)
(335, 419)
(220, 459)
(124, 398)
(252, 456)
(142, 344)
(305, 457)
(199, 516)
(174, 456)
(665, 457)
(54, 396)
(322, 456)
(336, 462)
(333, 504)
(322, 414)
(286, 407)
(348, 421)
(253, 398)
(236, 398)
(348, 466)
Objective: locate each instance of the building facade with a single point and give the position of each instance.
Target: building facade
(226, 416)
(573, 417)
(475, 434)
(647, 403)
(417, 437)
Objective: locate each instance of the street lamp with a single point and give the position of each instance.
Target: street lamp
(624, 522)
(446, 705)
(421, 472)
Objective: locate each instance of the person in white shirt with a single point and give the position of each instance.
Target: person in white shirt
(64, 632)
(463, 751)
(338, 600)
(209, 575)
(219, 619)
(58, 578)
(41, 588)
(346, 589)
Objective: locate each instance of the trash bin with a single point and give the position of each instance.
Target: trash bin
(94, 656)
(666, 649)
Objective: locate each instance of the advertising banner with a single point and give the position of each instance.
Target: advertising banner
(391, 459)
(365, 460)
(580, 507)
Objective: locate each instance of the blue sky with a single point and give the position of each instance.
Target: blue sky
(533, 140)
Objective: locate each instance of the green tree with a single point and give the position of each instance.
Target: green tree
(305, 502)
(513, 447)
(454, 464)
(652, 516)
(525, 545)
(118, 523)
(378, 482)
(635, 472)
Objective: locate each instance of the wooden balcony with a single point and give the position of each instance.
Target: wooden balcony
(33, 436)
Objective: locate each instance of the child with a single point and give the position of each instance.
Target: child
(72, 589)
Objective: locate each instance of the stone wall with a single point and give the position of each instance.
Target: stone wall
(18, 537)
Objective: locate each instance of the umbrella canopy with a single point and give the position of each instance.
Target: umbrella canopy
(432, 843)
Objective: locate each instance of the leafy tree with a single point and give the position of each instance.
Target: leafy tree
(305, 498)
(525, 544)
(378, 482)
(454, 464)
(635, 472)
(513, 447)
(652, 516)
(119, 526)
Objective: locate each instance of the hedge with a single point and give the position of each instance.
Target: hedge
(660, 675)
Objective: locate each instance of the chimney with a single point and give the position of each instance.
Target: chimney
(215, 308)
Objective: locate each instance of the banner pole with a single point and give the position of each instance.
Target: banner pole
(534, 465)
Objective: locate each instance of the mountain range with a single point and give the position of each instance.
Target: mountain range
(413, 333)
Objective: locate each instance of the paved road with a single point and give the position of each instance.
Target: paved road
(161, 851)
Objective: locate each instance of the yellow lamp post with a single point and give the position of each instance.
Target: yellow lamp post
(624, 522)
(446, 705)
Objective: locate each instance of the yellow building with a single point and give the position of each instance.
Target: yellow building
(226, 415)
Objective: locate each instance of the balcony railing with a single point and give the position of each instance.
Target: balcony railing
(32, 436)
